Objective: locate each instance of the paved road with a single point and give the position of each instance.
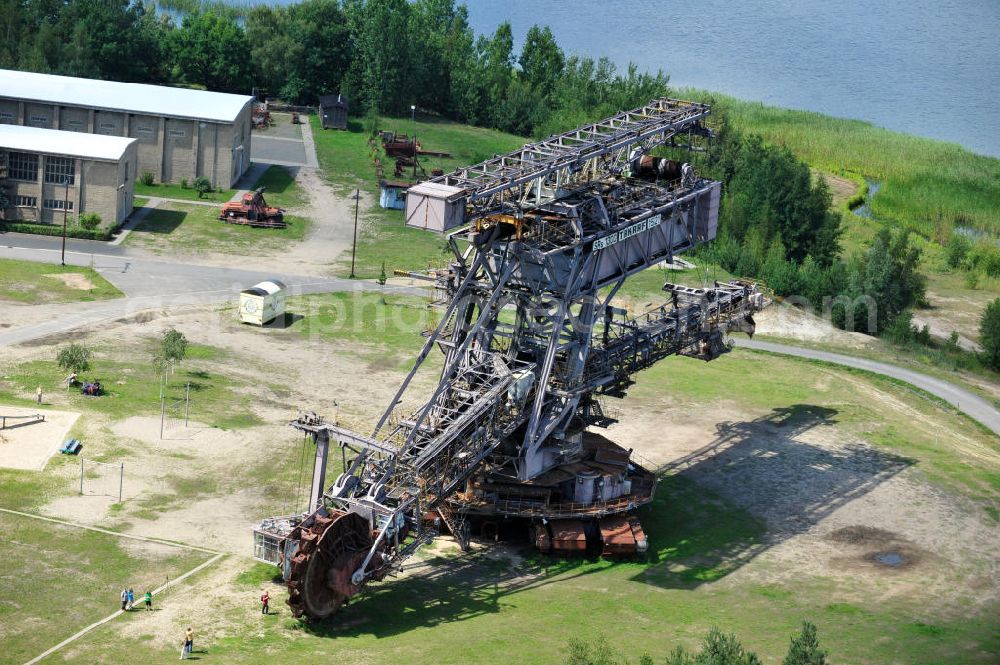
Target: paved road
(968, 403)
(147, 284)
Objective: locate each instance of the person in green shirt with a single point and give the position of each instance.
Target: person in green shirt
(148, 598)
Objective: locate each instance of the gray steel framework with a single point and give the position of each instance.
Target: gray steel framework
(529, 336)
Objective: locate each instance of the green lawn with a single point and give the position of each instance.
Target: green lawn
(178, 227)
(133, 386)
(281, 189)
(58, 579)
(30, 283)
(174, 191)
(347, 161)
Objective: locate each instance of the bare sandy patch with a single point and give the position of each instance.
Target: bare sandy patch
(73, 280)
(28, 444)
(841, 188)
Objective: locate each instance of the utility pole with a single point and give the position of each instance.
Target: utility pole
(413, 130)
(65, 215)
(354, 244)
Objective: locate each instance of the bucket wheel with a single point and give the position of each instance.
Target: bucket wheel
(329, 552)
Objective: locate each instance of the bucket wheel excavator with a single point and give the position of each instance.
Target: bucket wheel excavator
(542, 240)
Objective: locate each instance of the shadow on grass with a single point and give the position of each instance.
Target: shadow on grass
(285, 321)
(161, 221)
(755, 485)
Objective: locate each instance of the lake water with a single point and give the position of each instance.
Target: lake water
(926, 67)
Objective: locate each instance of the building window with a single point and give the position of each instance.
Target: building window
(6, 117)
(23, 166)
(144, 130)
(75, 123)
(177, 133)
(41, 119)
(57, 204)
(107, 125)
(57, 169)
(26, 201)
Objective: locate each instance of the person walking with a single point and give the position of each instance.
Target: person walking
(148, 598)
(265, 603)
(124, 599)
(131, 599)
(188, 643)
(38, 392)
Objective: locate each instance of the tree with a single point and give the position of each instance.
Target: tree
(989, 335)
(210, 49)
(75, 358)
(804, 649)
(173, 347)
(541, 60)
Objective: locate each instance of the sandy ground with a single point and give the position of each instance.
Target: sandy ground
(841, 188)
(73, 280)
(29, 446)
(784, 320)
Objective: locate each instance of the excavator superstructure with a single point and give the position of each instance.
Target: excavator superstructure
(542, 240)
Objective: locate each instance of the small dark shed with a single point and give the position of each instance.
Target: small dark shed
(333, 111)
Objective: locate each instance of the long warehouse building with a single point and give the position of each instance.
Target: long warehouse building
(181, 133)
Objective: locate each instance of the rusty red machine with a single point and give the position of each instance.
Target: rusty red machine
(252, 210)
(532, 347)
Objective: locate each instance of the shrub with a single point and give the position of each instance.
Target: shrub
(957, 249)
(75, 358)
(184, 183)
(90, 220)
(989, 335)
(202, 185)
(804, 649)
(146, 178)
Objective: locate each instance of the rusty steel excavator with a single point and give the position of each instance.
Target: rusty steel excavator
(543, 238)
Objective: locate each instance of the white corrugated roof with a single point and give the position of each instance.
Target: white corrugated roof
(128, 97)
(56, 142)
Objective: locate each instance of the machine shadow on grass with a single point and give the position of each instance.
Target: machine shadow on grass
(443, 590)
(755, 485)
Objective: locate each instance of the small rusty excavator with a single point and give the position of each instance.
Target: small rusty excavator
(252, 210)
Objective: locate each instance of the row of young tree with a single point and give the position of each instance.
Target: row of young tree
(717, 648)
(385, 55)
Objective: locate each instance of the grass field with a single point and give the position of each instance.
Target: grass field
(76, 576)
(174, 191)
(347, 162)
(710, 561)
(29, 283)
(280, 188)
(133, 387)
(178, 227)
(713, 561)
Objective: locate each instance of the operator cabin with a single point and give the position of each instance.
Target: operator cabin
(48, 175)
(181, 133)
